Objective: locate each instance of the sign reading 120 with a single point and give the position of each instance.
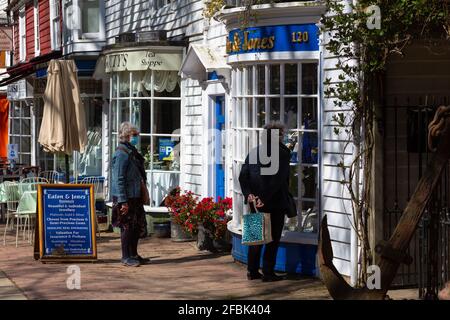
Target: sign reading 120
(302, 37)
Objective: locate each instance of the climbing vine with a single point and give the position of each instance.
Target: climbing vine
(363, 36)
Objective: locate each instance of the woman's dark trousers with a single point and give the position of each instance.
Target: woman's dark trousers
(271, 249)
(131, 229)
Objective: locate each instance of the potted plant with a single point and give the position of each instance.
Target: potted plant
(181, 206)
(211, 221)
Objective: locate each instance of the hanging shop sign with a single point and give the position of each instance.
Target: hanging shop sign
(142, 60)
(13, 151)
(302, 37)
(66, 222)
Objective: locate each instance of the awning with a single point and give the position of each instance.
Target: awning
(202, 59)
(23, 70)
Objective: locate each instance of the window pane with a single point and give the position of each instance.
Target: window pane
(309, 147)
(275, 79)
(274, 109)
(309, 182)
(309, 113)
(142, 115)
(249, 113)
(166, 115)
(15, 126)
(261, 79)
(145, 149)
(26, 127)
(124, 84)
(25, 144)
(175, 93)
(309, 217)
(114, 115)
(309, 78)
(114, 85)
(249, 80)
(166, 153)
(261, 112)
(293, 180)
(141, 83)
(25, 110)
(290, 76)
(25, 159)
(124, 111)
(290, 113)
(16, 110)
(90, 15)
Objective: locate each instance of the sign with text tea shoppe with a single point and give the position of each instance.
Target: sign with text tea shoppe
(66, 218)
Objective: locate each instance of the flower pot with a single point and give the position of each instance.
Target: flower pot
(162, 229)
(223, 244)
(178, 234)
(205, 240)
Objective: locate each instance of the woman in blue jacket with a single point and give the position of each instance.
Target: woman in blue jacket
(128, 173)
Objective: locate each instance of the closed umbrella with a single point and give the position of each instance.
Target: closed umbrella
(63, 127)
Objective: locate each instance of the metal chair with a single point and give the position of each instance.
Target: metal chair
(98, 194)
(12, 201)
(52, 176)
(30, 184)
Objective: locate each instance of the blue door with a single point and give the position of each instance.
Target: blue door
(219, 163)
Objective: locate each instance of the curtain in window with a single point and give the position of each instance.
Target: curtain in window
(163, 80)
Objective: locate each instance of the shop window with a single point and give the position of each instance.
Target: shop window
(20, 129)
(152, 101)
(286, 92)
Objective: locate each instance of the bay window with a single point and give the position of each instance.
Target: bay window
(151, 100)
(285, 92)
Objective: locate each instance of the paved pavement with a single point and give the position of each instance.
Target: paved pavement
(176, 271)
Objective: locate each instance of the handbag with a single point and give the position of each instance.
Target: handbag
(145, 197)
(256, 228)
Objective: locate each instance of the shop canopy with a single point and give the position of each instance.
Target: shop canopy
(203, 59)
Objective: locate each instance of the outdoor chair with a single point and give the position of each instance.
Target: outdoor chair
(52, 176)
(98, 194)
(30, 184)
(12, 201)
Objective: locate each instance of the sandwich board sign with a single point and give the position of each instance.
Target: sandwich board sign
(66, 222)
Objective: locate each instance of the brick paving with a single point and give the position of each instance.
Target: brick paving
(176, 271)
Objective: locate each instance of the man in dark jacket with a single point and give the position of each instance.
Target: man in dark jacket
(269, 190)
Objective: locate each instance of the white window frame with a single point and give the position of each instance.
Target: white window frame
(55, 20)
(22, 35)
(100, 35)
(241, 95)
(115, 121)
(37, 35)
(21, 118)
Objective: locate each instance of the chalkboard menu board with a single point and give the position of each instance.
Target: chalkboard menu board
(66, 217)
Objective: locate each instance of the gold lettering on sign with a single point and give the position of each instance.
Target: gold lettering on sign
(299, 37)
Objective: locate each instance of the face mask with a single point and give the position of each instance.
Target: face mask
(134, 140)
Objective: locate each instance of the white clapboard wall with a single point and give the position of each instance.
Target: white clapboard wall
(336, 202)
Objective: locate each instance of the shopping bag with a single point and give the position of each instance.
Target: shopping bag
(256, 228)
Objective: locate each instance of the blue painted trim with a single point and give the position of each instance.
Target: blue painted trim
(291, 257)
(85, 68)
(219, 126)
(213, 75)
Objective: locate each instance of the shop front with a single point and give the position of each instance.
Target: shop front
(145, 90)
(275, 76)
